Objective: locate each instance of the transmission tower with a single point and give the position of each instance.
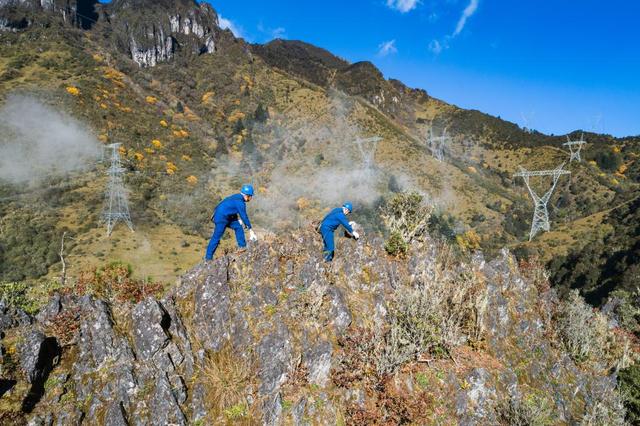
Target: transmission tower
(540, 213)
(437, 144)
(575, 147)
(367, 154)
(116, 205)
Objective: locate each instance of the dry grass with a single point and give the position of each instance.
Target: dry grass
(229, 380)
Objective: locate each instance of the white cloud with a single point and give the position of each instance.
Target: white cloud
(228, 24)
(387, 47)
(279, 33)
(402, 6)
(435, 47)
(466, 14)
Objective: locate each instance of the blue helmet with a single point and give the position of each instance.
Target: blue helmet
(348, 206)
(247, 190)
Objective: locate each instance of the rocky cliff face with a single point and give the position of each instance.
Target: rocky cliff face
(150, 32)
(163, 28)
(274, 336)
(19, 14)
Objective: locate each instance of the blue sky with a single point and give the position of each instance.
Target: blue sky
(553, 65)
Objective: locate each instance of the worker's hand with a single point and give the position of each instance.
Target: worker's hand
(352, 224)
(252, 235)
(241, 222)
(355, 235)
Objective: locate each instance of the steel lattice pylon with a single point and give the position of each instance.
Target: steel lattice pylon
(540, 213)
(116, 205)
(368, 154)
(437, 144)
(575, 147)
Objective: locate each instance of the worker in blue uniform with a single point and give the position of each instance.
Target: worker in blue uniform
(231, 213)
(330, 223)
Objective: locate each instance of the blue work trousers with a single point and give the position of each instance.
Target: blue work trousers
(218, 232)
(329, 246)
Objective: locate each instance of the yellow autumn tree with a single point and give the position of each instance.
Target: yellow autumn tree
(72, 90)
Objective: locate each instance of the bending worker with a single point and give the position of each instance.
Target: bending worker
(231, 213)
(330, 223)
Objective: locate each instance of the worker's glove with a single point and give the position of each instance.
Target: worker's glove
(252, 235)
(352, 224)
(355, 235)
(240, 222)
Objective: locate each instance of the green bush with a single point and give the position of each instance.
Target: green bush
(396, 245)
(629, 385)
(15, 294)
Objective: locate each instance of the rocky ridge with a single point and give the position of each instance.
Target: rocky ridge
(283, 338)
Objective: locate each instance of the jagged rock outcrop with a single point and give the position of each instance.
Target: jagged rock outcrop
(276, 335)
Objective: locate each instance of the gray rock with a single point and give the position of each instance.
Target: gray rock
(317, 359)
(475, 406)
(178, 388)
(50, 311)
(274, 354)
(38, 354)
(11, 316)
(338, 311)
(212, 307)
(115, 415)
(165, 409)
(298, 412)
(198, 397)
(272, 410)
(150, 322)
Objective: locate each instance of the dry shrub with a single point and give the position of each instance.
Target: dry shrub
(437, 312)
(534, 272)
(605, 408)
(582, 329)
(65, 326)
(390, 405)
(114, 282)
(228, 379)
(357, 358)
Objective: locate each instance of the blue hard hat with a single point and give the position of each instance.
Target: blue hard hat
(247, 190)
(348, 206)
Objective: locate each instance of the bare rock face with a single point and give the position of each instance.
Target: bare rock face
(153, 32)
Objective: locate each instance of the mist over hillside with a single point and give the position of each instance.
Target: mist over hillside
(38, 141)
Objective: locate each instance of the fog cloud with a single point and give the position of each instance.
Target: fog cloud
(37, 140)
